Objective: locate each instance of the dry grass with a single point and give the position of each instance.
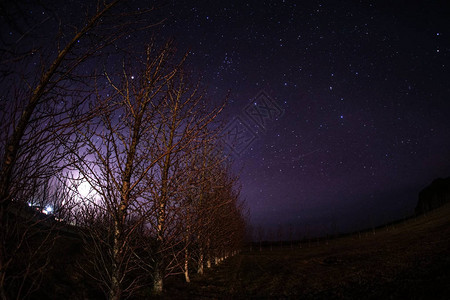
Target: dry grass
(410, 260)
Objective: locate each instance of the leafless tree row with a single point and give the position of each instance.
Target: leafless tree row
(127, 155)
(162, 198)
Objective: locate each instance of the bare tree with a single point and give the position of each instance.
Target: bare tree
(43, 90)
(133, 158)
(116, 158)
(184, 117)
(204, 160)
(222, 219)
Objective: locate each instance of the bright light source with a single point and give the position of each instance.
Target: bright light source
(48, 210)
(84, 189)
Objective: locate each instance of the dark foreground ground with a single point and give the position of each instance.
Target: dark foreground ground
(410, 260)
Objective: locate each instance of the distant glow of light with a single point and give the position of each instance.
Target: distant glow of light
(84, 189)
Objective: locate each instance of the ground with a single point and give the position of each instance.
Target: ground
(408, 260)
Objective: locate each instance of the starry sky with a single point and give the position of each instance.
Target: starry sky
(359, 92)
(339, 109)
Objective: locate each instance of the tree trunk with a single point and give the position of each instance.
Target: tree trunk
(186, 265)
(158, 274)
(200, 263)
(157, 280)
(115, 290)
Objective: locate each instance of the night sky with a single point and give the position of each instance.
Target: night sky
(340, 109)
(363, 91)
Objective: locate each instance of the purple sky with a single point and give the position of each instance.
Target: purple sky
(365, 94)
(358, 99)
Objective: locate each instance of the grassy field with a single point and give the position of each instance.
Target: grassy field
(410, 260)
